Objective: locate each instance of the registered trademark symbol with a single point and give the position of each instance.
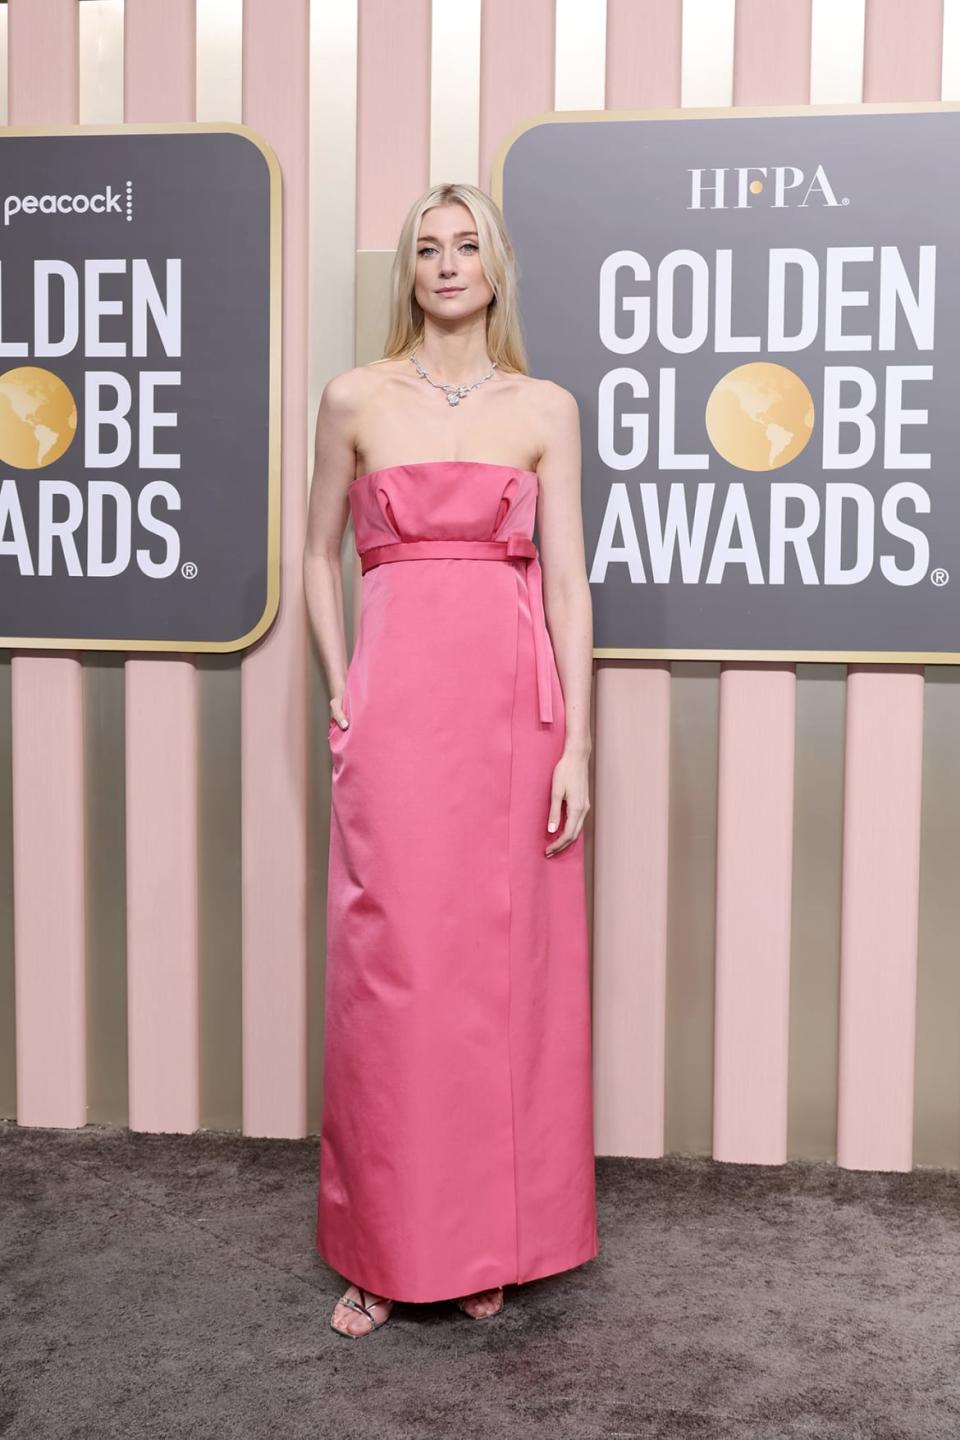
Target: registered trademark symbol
(188, 570)
(845, 200)
(939, 576)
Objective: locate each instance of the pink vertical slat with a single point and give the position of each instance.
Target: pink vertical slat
(643, 54)
(393, 120)
(390, 176)
(902, 50)
(883, 781)
(516, 71)
(754, 876)
(276, 104)
(772, 53)
(47, 717)
(632, 752)
(161, 721)
(632, 776)
(756, 763)
(881, 899)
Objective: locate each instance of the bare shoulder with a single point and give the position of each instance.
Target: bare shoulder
(346, 396)
(553, 399)
(558, 418)
(350, 388)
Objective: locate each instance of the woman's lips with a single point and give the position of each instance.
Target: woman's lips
(451, 290)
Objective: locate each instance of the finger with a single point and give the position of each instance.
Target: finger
(556, 802)
(563, 839)
(581, 818)
(570, 832)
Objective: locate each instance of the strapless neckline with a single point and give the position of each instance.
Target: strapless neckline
(420, 464)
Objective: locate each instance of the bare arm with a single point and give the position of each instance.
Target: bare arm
(566, 592)
(327, 514)
(566, 601)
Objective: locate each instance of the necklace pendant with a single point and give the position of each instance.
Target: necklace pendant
(454, 396)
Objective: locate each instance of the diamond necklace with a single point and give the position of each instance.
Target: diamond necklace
(455, 393)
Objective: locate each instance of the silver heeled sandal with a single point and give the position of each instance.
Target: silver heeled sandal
(367, 1310)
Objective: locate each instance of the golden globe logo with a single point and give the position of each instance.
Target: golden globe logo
(759, 416)
(38, 423)
(117, 417)
(776, 186)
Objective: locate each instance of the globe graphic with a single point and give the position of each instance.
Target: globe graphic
(38, 417)
(759, 416)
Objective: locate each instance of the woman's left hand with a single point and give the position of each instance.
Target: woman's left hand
(570, 786)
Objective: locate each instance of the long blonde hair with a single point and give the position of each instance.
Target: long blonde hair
(504, 333)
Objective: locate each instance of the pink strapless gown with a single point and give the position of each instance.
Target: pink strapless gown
(456, 1149)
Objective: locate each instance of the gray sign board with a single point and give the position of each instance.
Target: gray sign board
(758, 311)
(139, 387)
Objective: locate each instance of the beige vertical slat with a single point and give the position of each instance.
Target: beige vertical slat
(815, 921)
(691, 912)
(836, 51)
(105, 759)
(580, 60)
(936, 1115)
(950, 46)
(219, 853)
(707, 54)
(4, 61)
(454, 92)
(331, 342)
(101, 61)
(101, 102)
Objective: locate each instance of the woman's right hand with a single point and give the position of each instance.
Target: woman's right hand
(337, 715)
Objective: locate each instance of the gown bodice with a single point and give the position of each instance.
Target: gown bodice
(443, 499)
(456, 508)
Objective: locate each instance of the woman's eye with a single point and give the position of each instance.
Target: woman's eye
(429, 248)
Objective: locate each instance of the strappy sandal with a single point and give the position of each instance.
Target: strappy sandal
(346, 1299)
(460, 1303)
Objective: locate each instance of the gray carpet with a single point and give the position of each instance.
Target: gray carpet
(167, 1286)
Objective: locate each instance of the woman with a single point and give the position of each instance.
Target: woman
(456, 1150)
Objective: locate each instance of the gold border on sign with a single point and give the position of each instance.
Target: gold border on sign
(733, 112)
(242, 642)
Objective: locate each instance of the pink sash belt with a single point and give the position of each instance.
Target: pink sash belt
(515, 547)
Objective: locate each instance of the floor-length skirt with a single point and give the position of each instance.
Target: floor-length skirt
(456, 1149)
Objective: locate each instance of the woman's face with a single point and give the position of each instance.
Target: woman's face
(449, 283)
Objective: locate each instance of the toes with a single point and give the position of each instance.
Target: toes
(347, 1320)
(484, 1302)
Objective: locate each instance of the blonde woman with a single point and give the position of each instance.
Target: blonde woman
(456, 1149)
